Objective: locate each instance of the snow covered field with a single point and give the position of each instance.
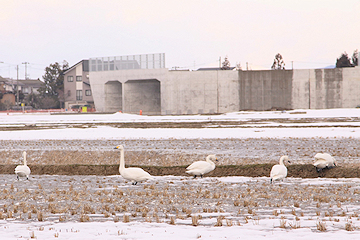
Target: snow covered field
(93, 207)
(248, 208)
(345, 124)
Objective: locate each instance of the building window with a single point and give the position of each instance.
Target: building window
(69, 93)
(78, 78)
(70, 78)
(88, 92)
(25, 90)
(78, 94)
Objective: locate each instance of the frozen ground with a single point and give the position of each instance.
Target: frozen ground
(237, 138)
(93, 207)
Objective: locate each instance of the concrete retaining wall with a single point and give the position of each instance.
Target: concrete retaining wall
(200, 92)
(142, 95)
(160, 91)
(351, 87)
(265, 90)
(326, 88)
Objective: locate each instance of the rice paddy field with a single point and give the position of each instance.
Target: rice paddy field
(225, 204)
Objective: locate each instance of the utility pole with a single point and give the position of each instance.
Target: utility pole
(26, 63)
(17, 84)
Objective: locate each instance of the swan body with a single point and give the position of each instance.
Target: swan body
(324, 160)
(133, 174)
(199, 168)
(279, 171)
(22, 170)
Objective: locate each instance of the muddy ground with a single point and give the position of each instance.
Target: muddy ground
(236, 157)
(253, 170)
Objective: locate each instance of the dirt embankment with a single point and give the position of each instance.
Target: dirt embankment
(253, 170)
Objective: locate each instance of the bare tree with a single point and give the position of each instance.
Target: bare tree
(278, 62)
(226, 64)
(343, 61)
(355, 58)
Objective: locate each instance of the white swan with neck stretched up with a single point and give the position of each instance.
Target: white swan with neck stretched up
(23, 170)
(279, 171)
(324, 160)
(133, 174)
(199, 168)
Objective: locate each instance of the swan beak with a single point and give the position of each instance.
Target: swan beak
(115, 147)
(216, 159)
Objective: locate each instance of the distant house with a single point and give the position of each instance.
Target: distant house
(77, 90)
(8, 88)
(7, 97)
(5, 85)
(28, 86)
(24, 86)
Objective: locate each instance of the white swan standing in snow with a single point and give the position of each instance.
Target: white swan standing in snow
(199, 168)
(279, 171)
(324, 160)
(22, 170)
(133, 174)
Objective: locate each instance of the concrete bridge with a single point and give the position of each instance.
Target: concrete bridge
(165, 92)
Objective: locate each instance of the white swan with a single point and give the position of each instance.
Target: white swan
(279, 171)
(324, 160)
(199, 168)
(133, 174)
(23, 170)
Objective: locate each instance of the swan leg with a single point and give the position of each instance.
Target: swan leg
(17, 176)
(194, 176)
(134, 183)
(271, 181)
(320, 172)
(201, 175)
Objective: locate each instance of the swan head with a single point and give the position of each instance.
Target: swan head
(334, 163)
(212, 157)
(285, 159)
(119, 147)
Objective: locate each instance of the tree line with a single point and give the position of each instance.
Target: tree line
(51, 93)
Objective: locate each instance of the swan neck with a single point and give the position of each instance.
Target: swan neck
(209, 161)
(122, 161)
(282, 161)
(24, 158)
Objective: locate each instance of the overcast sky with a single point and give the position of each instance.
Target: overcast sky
(191, 33)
